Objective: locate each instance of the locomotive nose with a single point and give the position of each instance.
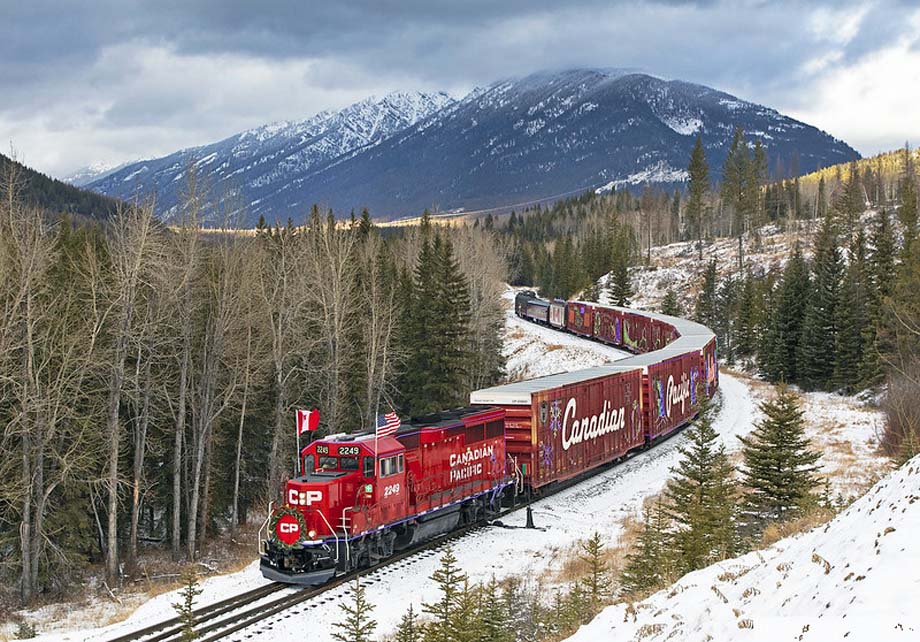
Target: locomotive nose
(304, 495)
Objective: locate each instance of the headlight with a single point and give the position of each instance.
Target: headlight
(311, 534)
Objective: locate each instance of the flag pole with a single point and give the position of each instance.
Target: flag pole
(299, 462)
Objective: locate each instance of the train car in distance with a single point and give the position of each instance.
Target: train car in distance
(360, 498)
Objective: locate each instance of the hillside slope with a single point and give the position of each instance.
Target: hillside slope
(858, 578)
(56, 196)
(516, 140)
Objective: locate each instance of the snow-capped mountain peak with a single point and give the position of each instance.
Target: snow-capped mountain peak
(511, 142)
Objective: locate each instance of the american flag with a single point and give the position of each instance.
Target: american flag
(387, 424)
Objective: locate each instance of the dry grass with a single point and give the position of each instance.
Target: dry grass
(573, 568)
(777, 531)
(156, 573)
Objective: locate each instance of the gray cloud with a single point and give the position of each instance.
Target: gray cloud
(118, 80)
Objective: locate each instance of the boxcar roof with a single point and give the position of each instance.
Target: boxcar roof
(693, 337)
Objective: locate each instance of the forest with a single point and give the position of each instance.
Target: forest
(150, 374)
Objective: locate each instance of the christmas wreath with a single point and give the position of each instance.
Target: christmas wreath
(273, 526)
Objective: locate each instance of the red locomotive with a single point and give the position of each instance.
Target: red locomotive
(361, 498)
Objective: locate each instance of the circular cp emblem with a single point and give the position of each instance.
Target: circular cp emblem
(287, 529)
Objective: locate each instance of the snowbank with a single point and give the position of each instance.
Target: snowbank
(858, 577)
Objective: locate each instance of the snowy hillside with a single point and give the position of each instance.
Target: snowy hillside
(519, 139)
(856, 578)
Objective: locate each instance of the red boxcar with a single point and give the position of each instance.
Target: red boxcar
(637, 332)
(579, 318)
(608, 326)
(711, 367)
(561, 426)
(672, 386)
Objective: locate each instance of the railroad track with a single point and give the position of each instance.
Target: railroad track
(222, 619)
(226, 617)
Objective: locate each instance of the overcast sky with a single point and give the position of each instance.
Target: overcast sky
(119, 80)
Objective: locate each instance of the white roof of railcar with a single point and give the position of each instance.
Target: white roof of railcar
(693, 338)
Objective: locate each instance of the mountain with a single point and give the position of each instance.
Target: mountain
(90, 173)
(56, 196)
(517, 140)
(261, 162)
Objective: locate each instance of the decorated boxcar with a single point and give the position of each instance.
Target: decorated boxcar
(561, 426)
(579, 318)
(557, 313)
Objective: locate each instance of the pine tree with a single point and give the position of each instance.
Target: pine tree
(700, 499)
(597, 582)
(880, 279)
(707, 306)
(185, 610)
(818, 344)
(853, 319)
(492, 615)
(619, 285)
(784, 330)
(697, 189)
(647, 567)
(747, 317)
(357, 625)
(851, 202)
(907, 212)
(409, 629)
(779, 465)
(670, 304)
(451, 582)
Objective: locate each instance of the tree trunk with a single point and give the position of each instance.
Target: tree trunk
(177, 451)
(25, 528)
(140, 446)
(235, 514)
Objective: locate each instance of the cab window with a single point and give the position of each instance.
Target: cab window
(391, 465)
(368, 466)
(348, 463)
(328, 463)
(309, 464)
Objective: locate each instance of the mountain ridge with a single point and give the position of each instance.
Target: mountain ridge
(517, 139)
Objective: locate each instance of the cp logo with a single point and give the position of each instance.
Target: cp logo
(288, 529)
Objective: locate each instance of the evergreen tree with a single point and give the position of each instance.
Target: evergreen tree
(880, 279)
(438, 333)
(779, 464)
(697, 189)
(747, 319)
(853, 319)
(619, 285)
(451, 583)
(907, 212)
(707, 306)
(597, 582)
(700, 498)
(851, 202)
(784, 330)
(493, 615)
(467, 623)
(647, 568)
(821, 199)
(670, 304)
(818, 345)
(357, 625)
(726, 317)
(185, 610)
(409, 629)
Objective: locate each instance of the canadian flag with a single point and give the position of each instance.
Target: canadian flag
(307, 420)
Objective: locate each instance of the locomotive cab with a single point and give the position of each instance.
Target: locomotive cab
(348, 485)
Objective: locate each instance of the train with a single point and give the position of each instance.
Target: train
(361, 498)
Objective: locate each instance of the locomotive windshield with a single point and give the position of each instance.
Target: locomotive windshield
(328, 463)
(348, 463)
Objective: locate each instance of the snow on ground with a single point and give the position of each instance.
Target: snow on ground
(857, 577)
(534, 351)
(600, 503)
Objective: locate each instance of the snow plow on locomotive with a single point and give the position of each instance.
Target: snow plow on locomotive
(359, 498)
